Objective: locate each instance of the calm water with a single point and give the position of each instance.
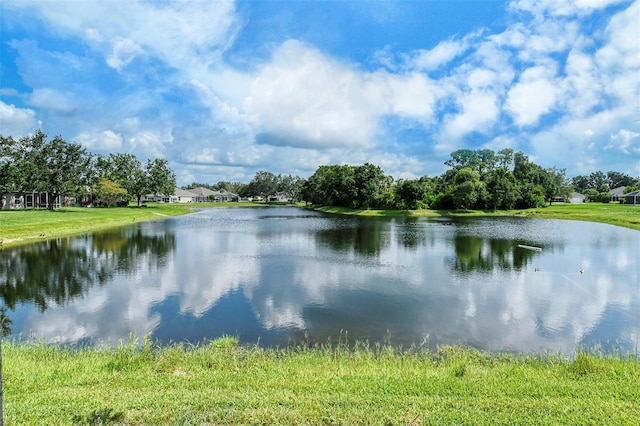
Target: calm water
(279, 275)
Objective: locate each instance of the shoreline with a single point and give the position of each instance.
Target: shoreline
(22, 227)
(610, 214)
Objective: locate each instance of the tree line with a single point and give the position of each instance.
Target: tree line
(474, 179)
(60, 168)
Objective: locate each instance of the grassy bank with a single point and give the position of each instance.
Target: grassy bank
(26, 226)
(222, 383)
(613, 214)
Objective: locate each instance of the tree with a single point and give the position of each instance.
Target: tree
(409, 194)
(289, 186)
(504, 158)
(466, 188)
(56, 167)
(126, 171)
(8, 167)
(617, 179)
(263, 184)
(463, 158)
(599, 182)
(580, 183)
(537, 185)
(331, 186)
(109, 191)
(370, 182)
(161, 179)
(503, 189)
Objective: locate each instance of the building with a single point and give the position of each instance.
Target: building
(576, 198)
(632, 198)
(617, 194)
(32, 200)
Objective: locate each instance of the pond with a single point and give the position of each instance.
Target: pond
(277, 276)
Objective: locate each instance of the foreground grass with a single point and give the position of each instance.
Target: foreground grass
(26, 226)
(222, 383)
(613, 213)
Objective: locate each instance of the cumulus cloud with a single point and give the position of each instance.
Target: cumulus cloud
(626, 141)
(16, 121)
(106, 140)
(123, 52)
(64, 102)
(532, 96)
(303, 98)
(440, 55)
(544, 75)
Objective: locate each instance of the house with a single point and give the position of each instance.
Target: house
(30, 200)
(617, 194)
(183, 196)
(632, 198)
(203, 195)
(278, 198)
(576, 198)
(225, 197)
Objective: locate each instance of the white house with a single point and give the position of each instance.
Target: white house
(576, 198)
(183, 196)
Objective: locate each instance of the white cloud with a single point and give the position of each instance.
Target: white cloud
(440, 55)
(64, 102)
(626, 141)
(561, 8)
(123, 52)
(151, 141)
(478, 112)
(106, 140)
(622, 49)
(16, 121)
(533, 96)
(302, 98)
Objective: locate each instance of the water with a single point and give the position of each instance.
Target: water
(280, 275)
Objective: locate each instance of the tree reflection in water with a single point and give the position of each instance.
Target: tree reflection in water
(60, 270)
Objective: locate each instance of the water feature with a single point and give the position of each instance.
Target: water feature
(283, 275)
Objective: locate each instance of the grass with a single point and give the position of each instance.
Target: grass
(223, 383)
(613, 213)
(27, 226)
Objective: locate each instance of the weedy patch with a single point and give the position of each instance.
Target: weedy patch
(103, 416)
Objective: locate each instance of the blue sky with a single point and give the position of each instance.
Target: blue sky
(225, 89)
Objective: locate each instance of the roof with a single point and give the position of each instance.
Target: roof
(224, 193)
(618, 191)
(577, 195)
(633, 193)
(202, 191)
(183, 193)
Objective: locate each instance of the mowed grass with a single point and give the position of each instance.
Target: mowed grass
(613, 213)
(222, 383)
(26, 226)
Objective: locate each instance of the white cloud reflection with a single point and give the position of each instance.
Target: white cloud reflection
(411, 284)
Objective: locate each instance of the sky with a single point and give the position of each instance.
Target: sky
(224, 89)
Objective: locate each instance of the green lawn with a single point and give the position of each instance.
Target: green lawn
(222, 383)
(26, 226)
(613, 214)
